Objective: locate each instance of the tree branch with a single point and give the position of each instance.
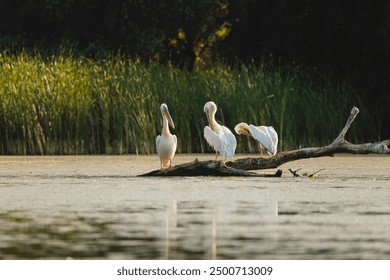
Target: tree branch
(283, 157)
(351, 118)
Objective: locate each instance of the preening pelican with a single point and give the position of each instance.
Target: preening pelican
(218, 136)
(265, 135)
(166, 143)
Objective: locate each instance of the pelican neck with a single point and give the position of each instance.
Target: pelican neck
(165, 130)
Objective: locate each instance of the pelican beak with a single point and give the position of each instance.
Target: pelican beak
(242, 129)
(245, 131)
(167, 115)
(208, 116)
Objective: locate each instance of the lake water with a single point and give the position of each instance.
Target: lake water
(95, 207)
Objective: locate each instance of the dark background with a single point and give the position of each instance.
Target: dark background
(347, 39)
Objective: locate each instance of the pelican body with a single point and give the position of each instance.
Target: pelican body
(218, 136)
(166, 143)
(265, 135)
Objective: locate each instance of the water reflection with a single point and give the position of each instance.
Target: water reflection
(176, 230)
(171, 230)
(97, 208)
(198, 230)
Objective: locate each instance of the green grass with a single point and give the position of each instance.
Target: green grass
(68, 105)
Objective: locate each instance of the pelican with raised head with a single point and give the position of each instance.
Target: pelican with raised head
(166, 143)
(218, 136)
(266, 136)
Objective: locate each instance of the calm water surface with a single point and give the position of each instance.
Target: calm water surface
(96, 207)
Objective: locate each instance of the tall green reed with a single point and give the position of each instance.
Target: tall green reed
(67, 105)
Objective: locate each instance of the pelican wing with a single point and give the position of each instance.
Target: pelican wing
(175, 141)
(231, 143)
(225, 143)
(261, 134)
(158, 139)
(274, 136)
(212, 138)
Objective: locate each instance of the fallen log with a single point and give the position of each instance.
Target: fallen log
(207, 168)
(239, 167)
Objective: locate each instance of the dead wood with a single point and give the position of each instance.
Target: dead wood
(207, 168)
(239, 166)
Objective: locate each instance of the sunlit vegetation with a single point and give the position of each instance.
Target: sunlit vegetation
(70, 105)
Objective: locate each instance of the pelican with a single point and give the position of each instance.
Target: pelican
(265, 135)
(166, 142)
(218, 136)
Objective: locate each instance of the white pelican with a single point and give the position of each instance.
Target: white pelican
(265, 135)
(218, 136)
(166, 142)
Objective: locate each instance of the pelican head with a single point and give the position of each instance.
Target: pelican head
(210, 108)
(242, 128)
(165, 113)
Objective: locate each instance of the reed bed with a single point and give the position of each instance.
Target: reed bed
(67, 105)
